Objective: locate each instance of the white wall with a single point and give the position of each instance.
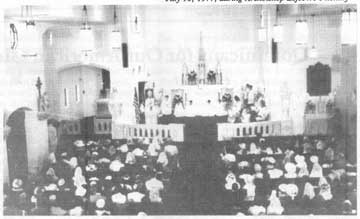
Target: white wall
(230, 36)
(169, 36)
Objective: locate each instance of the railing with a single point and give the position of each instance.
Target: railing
(317, 124)
(173, 131)
(240, 130)
(102, 126)
(72, 127)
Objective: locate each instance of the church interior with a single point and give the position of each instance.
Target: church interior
(179, 109)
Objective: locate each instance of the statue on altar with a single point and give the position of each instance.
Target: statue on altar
(120, 109)
(115, 107)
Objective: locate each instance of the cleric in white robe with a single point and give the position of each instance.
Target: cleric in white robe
(150, 109)
(165, 110)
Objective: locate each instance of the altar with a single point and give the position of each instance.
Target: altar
(201, 100)
(200, 94)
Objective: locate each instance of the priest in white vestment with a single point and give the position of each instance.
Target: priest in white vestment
(150, 109)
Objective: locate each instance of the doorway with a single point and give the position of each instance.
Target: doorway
(79, 89)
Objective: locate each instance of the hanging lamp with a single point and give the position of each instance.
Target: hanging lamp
(348, 26)
(301, 28)
(313, 53)
(278, 28)
(115, 34)
(29, 39)
(86, 36)
(262, 29)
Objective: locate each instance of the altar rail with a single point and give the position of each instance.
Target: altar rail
(240, 130)
(71, 127)
(102, 126)
(173, 131)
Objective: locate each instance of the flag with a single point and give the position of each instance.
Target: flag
(137, 107)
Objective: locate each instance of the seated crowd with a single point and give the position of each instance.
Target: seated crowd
(302, 176)
(98, 178)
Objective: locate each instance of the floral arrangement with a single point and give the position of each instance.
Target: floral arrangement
(310, 107)
(258, 96)
(177, 99)
(227, 99)
(191, 76)
(211, 76)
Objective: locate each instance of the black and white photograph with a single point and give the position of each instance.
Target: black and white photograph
(224, 108)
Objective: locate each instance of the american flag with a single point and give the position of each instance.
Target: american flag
(137, 107)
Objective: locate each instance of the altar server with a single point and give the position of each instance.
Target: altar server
(262, 112)
(249, 95)
(165, 110)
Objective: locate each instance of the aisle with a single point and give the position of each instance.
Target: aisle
(197, 190)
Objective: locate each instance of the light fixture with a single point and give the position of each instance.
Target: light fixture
(301, 29)
(348, 26)
(278, 28)
(115, 35)
(50, 38)
(262, 29)
(313, 51)
(30, 38)
(135, 20)
(86, 36)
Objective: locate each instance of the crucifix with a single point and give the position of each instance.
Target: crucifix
(38, 86)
